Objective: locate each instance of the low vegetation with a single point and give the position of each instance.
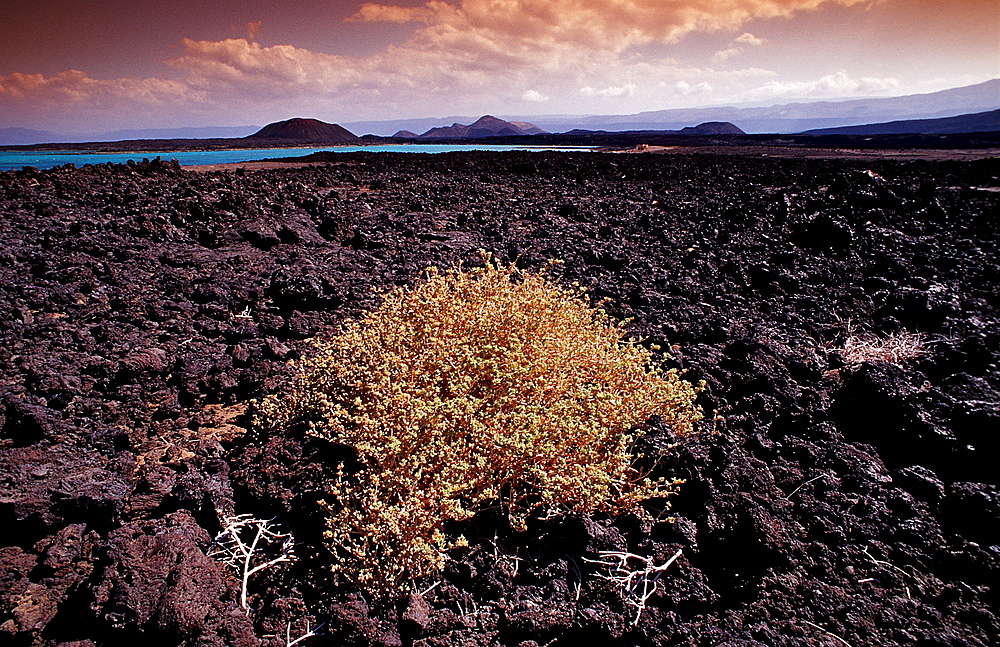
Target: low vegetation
(894, 349)
(486, 388)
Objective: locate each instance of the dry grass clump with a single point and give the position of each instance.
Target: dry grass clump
(477, 389)
(894, 349)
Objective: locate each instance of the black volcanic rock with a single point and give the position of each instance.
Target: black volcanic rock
(306, 130)
(406, 133)
(485, 126)
(144, 308)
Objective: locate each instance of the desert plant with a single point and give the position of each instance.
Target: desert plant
(894, 349)
(483, 388)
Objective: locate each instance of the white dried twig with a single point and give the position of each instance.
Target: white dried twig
(802, 485)
(471, 608)
(882, 562)
(832, 635)
(638, 583)
(242, 545)
(513, 562)
(288, 634)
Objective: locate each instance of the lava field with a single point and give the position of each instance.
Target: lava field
(831, 498)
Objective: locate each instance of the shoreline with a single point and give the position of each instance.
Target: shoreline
(775, 152)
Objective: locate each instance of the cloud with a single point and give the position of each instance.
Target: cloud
(726, 54)
(840, 84)
(373, 12)
(469, 54)
(613, 91)
(74, 97)
(737, 47)
(268, 71)
(614, 26)
(75, 88)
(686, 88)
(750, 39)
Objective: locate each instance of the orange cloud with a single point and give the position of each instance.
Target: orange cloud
(468, 55)
(280, 69)
(372, 12)
(76, 88)
(72, 97)
(592, 23)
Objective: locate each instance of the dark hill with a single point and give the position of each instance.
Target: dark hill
(978, 122)
(306, 130)
(712, 128)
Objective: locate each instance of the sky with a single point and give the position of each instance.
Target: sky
(88, 66)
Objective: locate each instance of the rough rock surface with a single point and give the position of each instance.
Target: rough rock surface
(143, 307)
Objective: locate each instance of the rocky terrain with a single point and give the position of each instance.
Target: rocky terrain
(829, 500)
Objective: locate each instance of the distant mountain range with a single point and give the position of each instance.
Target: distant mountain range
(800, 117)
(485, 126)
(979, 122)
(708, 128)
(785, 118)
(19, 136)
(969, 109)
(203, 132)
(489, 126)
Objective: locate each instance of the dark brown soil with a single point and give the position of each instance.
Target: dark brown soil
(143, 307)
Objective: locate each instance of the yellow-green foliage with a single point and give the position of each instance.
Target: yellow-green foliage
(490, 387)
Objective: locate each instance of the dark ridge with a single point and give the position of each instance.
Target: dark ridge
(978, 122)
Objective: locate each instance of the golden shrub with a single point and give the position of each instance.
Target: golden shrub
(483, 388)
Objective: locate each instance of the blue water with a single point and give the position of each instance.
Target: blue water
(48, 159)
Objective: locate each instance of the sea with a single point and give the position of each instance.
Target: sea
(11, 160)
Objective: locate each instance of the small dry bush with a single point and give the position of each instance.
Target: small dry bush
(488, 388)
(894, 349)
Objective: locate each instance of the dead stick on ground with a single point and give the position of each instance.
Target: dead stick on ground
(834, 636)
